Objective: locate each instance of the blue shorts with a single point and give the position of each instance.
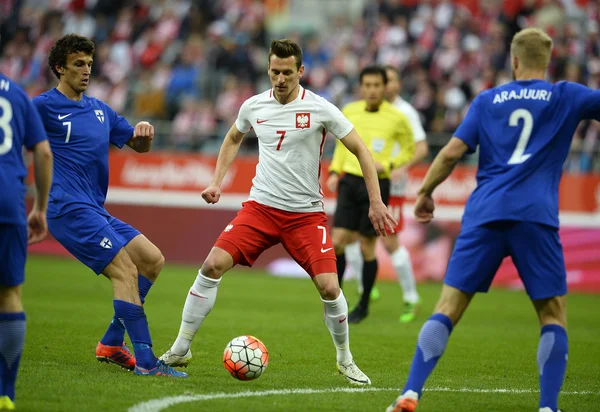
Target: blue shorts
(13, 252)
(535, 250)
(91, 237)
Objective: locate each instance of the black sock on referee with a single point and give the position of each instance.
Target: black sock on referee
(341, 267)
(369, 274)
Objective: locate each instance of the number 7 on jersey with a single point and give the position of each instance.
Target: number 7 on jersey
(281, 134)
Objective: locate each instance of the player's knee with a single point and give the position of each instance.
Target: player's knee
(552, 311)
(213, 267)
(154, 265)
(328, 287)
(339, 242)
(391, 243)
(10, 299)
(367, 248)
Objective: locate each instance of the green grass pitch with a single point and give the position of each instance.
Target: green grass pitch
(494, 347)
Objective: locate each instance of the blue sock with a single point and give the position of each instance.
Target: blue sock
(115, 334)
(12, 338)
(134, 318)
(552, 356)
(144, 285)
(432, 342)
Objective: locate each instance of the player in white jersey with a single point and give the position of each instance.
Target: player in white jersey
(285, 204)
(398, 253)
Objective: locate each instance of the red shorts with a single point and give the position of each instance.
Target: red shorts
(395, 208)
(305, 236)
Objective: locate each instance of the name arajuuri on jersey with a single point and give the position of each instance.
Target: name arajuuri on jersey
(528, 94)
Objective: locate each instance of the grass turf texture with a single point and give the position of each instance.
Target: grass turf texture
(68, 310)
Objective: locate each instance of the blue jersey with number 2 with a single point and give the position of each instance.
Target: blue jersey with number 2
(524, 131)
(80, 133)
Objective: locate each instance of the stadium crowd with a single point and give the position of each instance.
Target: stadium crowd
(193, 62)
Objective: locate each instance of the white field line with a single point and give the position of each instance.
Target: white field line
(156, 405)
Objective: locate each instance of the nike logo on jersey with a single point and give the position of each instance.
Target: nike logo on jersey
(326, 250)
(198, 296)
(342, 320)
(258, 121)
(63, 116)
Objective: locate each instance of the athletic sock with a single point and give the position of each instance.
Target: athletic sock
(336, 319)
(341, 267)
(552, 357)
(406, 278)
(135, 322)
(432, 342)
(369, 275)
(12, 338)
(198, 304)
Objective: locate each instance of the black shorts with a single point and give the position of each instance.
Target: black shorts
(352, 210)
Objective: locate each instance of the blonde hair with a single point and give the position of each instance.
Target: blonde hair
(533, 48)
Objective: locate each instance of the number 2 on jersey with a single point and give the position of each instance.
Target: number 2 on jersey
(7, 131)
(518, 156)
(281, 134)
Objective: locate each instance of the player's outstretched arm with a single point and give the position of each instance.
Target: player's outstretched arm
(440, 169)
(382, 220)
(36, 222)
(142, 138)
(227, 154)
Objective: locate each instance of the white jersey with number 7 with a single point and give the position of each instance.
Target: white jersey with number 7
(290, 145)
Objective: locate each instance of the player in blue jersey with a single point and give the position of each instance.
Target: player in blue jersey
(20, 126)
(523, 130)
(80, 130)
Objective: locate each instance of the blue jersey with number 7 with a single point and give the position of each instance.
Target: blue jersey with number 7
(80, 133)
(524, 131)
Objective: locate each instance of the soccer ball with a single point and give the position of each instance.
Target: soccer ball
(245, 358)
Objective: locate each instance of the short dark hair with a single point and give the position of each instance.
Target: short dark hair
(375, 69)
(67, 44)
(286, 48)
(392, 68)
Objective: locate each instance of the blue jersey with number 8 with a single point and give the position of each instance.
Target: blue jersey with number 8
(20, 126)
(523, 130)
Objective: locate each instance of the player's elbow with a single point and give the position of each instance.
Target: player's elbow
(449, 157)
(42, 153)
(453, 151)
(360, 150)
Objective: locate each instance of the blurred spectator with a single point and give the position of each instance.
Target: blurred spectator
(184, 80)
(79, 20)
(194, 124)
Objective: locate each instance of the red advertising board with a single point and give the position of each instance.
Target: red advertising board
(159, 193)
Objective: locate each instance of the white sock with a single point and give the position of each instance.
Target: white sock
(336, 319)
(406, 278)
(199, 302)
(354, 260)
